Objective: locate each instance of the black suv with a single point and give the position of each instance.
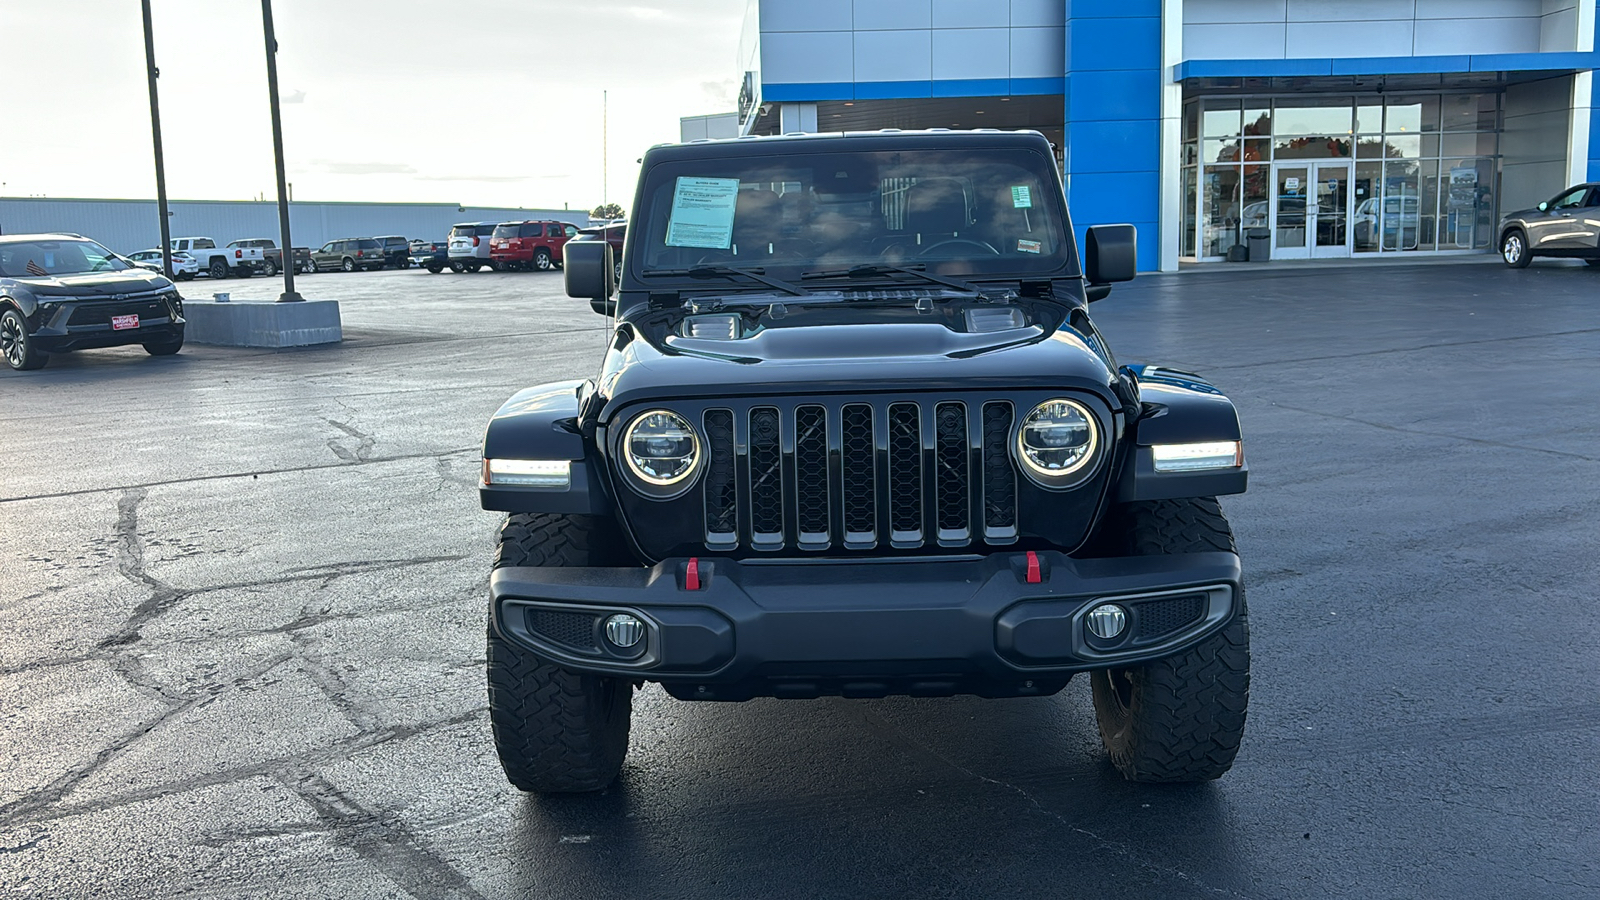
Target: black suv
(396, 251)
(63, 292)
(855, 434)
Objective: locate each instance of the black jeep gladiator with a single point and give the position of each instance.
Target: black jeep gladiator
(855, 434)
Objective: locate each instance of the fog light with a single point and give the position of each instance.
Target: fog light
(1107, 621)
(624, 630)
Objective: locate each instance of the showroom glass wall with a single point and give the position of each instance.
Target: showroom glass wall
(1340, 175)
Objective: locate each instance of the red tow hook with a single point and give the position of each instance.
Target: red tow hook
(691, 575)
(1033, 567)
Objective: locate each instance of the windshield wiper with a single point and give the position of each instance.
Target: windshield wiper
(868, 271)
(724, 271)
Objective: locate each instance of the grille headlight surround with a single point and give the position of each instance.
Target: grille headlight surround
(662, 452)
(1058, 443)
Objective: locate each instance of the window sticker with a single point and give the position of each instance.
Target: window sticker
(1021, 196)
(702, 213)
(1025, 246)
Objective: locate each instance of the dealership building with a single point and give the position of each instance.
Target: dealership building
(1294, 128)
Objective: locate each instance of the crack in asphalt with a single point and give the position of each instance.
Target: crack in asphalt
(363, 449)
(313, 467)
(384, 840)
(893, 734)
(24, 812)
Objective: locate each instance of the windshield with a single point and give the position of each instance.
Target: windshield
(37, 259)
(978, 212)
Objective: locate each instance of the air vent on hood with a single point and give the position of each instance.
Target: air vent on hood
(713, 328)
(982, 320)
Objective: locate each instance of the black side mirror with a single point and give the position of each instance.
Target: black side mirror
(1110, 255)
(591, 274)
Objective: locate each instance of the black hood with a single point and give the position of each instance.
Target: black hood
(94, 284)
(841, 350)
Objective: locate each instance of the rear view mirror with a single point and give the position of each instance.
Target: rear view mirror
(591, 273)
(1110, 255)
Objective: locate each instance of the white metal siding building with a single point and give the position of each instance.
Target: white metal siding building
(127, 226)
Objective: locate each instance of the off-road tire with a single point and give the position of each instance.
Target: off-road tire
(556, 731)
(218, 269)
(1177, 719)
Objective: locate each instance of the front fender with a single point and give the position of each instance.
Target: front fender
(1179, 408)
(542, 423)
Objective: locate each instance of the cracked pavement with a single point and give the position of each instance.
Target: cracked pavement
(243, 597)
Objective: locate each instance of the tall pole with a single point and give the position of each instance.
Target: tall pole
(151, 73)
(605, 122)
(287, 257)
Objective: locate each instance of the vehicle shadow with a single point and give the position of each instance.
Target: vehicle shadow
(898, 797)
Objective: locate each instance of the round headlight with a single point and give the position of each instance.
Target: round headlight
(1056, 442)
(661, 448)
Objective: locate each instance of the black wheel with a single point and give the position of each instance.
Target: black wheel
(1514, 249)
(218, 269)
(349, 265)
(269, 268)
(556, 731)
(434, 270)
(165, 346)
(17, 346)
(457, 268)
(542, 260)
(1178, 719)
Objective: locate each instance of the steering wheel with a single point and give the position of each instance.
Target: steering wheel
(986, 247)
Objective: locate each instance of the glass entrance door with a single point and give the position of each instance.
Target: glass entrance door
(1311, 210)
(1329, 213)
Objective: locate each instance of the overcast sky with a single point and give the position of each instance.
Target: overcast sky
(479, 102)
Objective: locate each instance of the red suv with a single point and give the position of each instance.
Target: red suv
(529, 245)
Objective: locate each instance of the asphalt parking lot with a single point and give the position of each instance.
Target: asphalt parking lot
(243, 600)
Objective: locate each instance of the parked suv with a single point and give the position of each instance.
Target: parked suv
(61, 292)
(855, 434)
(396, 251)
(1566, 225)
(529, 245)
(348, 254)
(469, 246)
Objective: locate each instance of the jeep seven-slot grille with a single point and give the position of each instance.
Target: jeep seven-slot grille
(901, 474)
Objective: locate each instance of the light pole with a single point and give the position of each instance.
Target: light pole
(287, 257)
(151, 74)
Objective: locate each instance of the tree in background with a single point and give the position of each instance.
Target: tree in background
(607, 211)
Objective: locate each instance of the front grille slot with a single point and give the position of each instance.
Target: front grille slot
(859, 476)
(811, 475)
(569, 629)
(952, 479)
(905, 474)
(722, 492)
(999, 476)
(1159, 618)
(100, 314)
(766, 479)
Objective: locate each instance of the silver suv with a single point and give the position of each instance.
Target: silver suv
(1567, 225)
(469, 246)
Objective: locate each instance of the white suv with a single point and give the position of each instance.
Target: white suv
(469, 246)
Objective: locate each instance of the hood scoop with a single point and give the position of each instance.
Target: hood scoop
(720, 327)
(984, 320)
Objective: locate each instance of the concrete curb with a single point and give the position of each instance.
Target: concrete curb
(262, 324)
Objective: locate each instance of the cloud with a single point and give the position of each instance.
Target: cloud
(361, 168)
(647, 12)
(489, 179)
(296, 97)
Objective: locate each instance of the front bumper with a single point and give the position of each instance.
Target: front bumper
(919, 626)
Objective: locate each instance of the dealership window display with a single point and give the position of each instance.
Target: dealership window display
(1340, 175)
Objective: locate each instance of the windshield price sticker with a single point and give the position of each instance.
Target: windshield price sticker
(702, 213)
(1025, 246)
(1021, 196)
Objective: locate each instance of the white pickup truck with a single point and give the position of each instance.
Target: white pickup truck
(221, 262)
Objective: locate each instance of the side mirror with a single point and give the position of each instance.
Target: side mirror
(1110, 255)
(591, 274)
(1544, 205)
